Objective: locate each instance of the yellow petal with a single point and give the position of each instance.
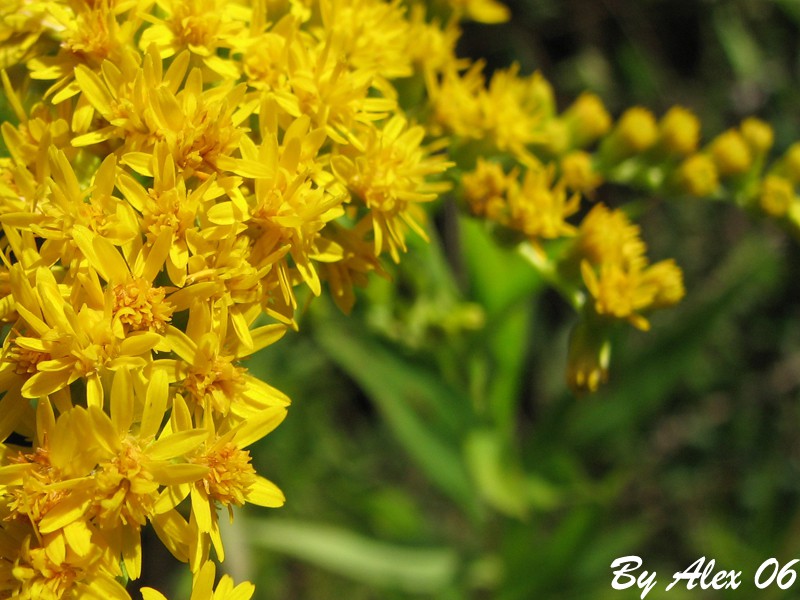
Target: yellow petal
(94, 391)
(14, 474)
(203, 584)
(180, 344)
(94, 137)
(181, 418)
(122, 401)
(45, 419)
(176, 444)
(102, 586)
(132, 551)
(139, 343)
(102, 430)
(157, 256)
(56, 549)
(265, 493)
(70, 509)
(45, 383)
(134, 193)
(182, 299)
(246, 168)
(240, 326)
(176, 473)
(174, 533)
(141, 162)
(223, 213)
(171, 497)
(79, 537)
(201, 509)
(267, 335)
(258, 426)
(12, 407)
(94, 89)
(155, 404)
(109, 260)
(243, 591)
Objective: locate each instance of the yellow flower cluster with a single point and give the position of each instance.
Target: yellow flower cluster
(616, 271)
(179, 174)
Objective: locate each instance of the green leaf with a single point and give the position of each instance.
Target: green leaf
(501, 483)
(416, 570)
(741, 48)
(396, 386)
(499, 277)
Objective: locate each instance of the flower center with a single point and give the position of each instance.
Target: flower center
(141, 306)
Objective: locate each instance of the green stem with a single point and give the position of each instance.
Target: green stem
(547, 269)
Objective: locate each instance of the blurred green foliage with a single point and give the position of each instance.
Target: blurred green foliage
(432, 449)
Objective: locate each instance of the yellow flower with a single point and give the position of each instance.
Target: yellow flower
(227, 478)
(207, 369)
(777, 195)
(607, 236)
(230, 481)
(29, 142)
(313, 78)
(578, 174)
(64, 205)
(615, 269)
(39, 572)
(204, 27)
(485, 190)
(539, 209)
(167, 207)
(587, 119)
(731, 153)
(125, 94)
(698, 175)
(390, 177)
(87, 35)
(679, 131)
(517, 111)
(292, 203)
(136, 303)
(200, 127)
(625, 293)
(372, 34)
(357, 260)
(84, 493)
(21, 25)
(514, 113)
(758, 135)
(455, 100)
(434, 44)
(81, 344)
(636, 130)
